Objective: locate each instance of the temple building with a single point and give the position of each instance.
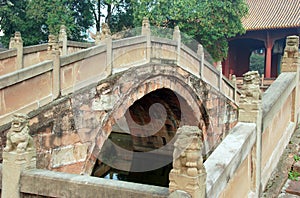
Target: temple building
(267, 25)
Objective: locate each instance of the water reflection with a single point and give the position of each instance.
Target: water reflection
(158, 177)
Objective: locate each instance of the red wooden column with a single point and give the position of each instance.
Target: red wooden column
(269, 45)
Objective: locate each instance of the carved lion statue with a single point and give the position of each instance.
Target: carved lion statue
(52, 43)
(105, 31)
(187, 156)
(18, 138)
(250, 89)
(291, 48)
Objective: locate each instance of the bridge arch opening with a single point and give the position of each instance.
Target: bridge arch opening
(141, 149)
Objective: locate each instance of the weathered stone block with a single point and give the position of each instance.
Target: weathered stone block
(13, 165)
(68, 155)
(179, 194)
(195, 186)
(296, 167)
(248, 113)
(105, 102)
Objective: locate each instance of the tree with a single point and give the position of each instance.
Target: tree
(116, 13)
(257, 63)
(122, 16)
(36, 19)
(210, 22)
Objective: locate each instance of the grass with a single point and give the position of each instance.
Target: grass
(293, 175)
(296, 158)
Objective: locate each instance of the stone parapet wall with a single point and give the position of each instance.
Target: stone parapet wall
(275, 116)
(68, 126)
(231, 169)
(54, 184)
(88, 66)
(18, 90)
(32, 182)
(8, 61)
(278, 107)
(228, 166)
(33, 55)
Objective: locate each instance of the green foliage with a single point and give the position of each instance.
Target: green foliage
(36, 19)
(211, 22)
(122, 16)
(293, 175)
(296, 158)
(118, 14)
(257, 63)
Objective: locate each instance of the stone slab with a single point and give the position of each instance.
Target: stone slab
(69, 155)
(56, 184)
(293, 188)
(296, 167)
(283, 83)
(224, 161)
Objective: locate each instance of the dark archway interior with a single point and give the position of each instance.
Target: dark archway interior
(239, 59)
(144, 153)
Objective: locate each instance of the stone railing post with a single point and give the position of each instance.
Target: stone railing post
(188, 173)
(105, 37)
(200, 52)
(146, 31)
(291, 54)
(250, 112)
(219, 68)
(54, 55)
(16, 42)
(297, 94)
(177, 38)
(63, 39)
(18, 155)
(291, 63)
(233, 80)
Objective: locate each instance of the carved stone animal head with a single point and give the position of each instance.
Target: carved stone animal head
(19, 122)
(251, 77)
(292, 41)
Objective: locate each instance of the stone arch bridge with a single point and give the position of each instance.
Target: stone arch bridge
(134, 93)
(76, 99)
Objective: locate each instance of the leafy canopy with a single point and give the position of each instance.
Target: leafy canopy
(116, 13)
(36, 19)
(211, 22)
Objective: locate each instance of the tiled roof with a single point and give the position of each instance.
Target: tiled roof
(272, 14)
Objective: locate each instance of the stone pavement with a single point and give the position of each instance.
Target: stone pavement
(292, 187)
(279, 185)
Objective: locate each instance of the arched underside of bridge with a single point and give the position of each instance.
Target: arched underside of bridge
(154, 101)
(143, 141)
(187, 99)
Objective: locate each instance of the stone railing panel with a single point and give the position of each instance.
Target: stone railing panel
(163, 52)
(74, 46)
(189, 60)
(228, 89)
(28, 90)
(278, 126)
(8, 61)
(35, 57)
(211, 76)
(128, 56)
(90, 67)
(25, 90)
(55, 184)
(228, 159)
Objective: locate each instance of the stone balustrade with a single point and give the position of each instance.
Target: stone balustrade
(73, 71)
